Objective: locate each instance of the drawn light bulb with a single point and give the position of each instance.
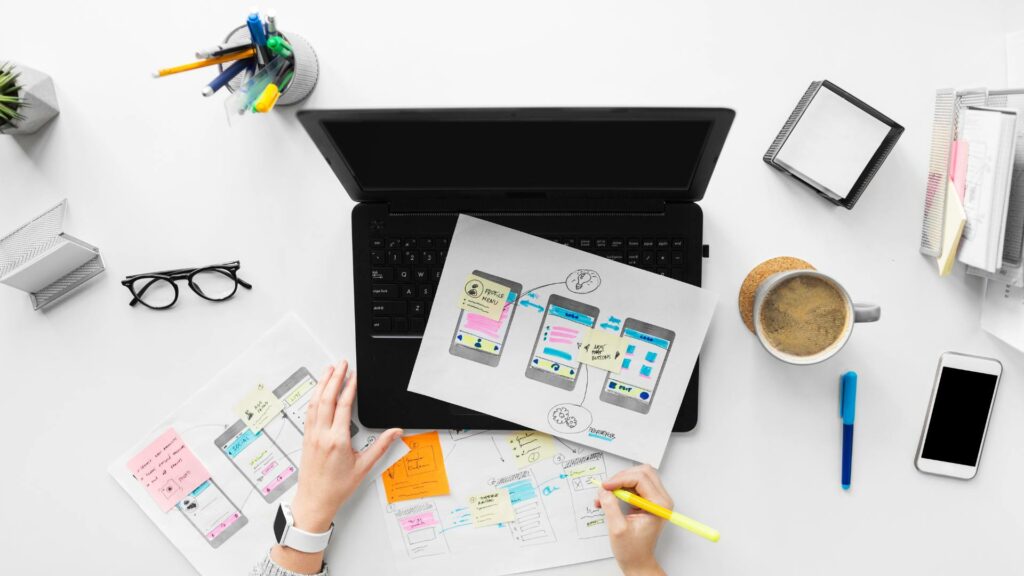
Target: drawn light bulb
(583, 278)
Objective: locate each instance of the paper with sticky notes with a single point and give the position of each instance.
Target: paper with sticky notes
(483, 296)
(259, 407)
(168, 469)
(491, 508)
(604, 350)
(531, 447)
(418, 474)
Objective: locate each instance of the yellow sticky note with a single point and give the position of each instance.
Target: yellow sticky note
(604, 350)
(483, 297)
(530, 447)
(491, 508)
(952, 228)
(258, 408)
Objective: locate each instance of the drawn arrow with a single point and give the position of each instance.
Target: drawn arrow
(608, 326)
(571, 449)
(526, 304)
(496, 449)
(614, 320)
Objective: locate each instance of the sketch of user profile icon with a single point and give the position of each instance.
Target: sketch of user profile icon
(583, 281)
(569, 418)
(474, 288)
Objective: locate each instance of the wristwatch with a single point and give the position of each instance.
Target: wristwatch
(288, 535)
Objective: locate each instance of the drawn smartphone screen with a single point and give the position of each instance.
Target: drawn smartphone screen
(555, 354)
(646, 353)
(480, 338)
(295, 393)
(259, 459)
(212, 513)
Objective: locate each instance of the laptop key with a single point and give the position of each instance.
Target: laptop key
(436, 275)
(408, 243)
(440, 257)
(377, 243)
(616, 243)
(417, 308)
(386, 308)
(381, 325)
(377, 257)
(615, 256)
(442, 243)
(677, 258)
(662, 243)
(421, 276)
(426, 291)
(633, 243)
(408, 291)
(384, 290)
(647, 259)
(585, 244)
(394, 257)
(394, 243)
(677, 243)
(647, 243)
(403, 275)
(601, 243)
(663, 271)
(662, 259)
(417, 325)
(381, 274)
(633, 258)
(411, 257)
(426, 243)
(428, 258)
(677, 273)
(399, 324)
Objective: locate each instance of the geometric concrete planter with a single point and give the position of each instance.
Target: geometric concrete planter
(37, 90)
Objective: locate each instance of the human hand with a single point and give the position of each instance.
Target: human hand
(331, 469)
(633, 536)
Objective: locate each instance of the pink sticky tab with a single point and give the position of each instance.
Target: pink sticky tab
(168, 470)
(958, 167)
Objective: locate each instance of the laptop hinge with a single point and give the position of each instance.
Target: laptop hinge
(539, 207)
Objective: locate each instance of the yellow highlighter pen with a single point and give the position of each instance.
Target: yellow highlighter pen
(676, 518)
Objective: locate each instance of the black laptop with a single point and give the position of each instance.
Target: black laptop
(618, 182)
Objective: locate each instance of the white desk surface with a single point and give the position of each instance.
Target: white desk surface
(157, 180)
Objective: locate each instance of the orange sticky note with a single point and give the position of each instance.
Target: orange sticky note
(420, 473)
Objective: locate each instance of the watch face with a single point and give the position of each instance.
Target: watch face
(280, 523)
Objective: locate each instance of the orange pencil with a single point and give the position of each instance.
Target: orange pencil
(203, 63)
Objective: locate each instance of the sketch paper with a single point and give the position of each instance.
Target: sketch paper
(168, 469)
(1002, 313)
(536, 378)
(224, 525)
(551, 505)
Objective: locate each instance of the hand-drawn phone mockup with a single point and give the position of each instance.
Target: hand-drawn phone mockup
(259, 459)
(480, 338)
(295, 393)
(212, 513)
(555, 354)
(646, 352)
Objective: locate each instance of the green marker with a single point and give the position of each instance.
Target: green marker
(279, 46)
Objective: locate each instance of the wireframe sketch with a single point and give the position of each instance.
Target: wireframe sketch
(555, 354)
(634, 386)
(478, 337)
(584, 474)
(212, 513)
(421, 529)
(532, 525)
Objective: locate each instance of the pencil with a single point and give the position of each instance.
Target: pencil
(203, 63)
(676, 518)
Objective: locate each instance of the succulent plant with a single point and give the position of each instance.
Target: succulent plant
(10, 100)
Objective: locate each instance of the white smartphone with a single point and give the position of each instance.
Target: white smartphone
(958, 415)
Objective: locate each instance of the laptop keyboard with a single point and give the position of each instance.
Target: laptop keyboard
(404, 272)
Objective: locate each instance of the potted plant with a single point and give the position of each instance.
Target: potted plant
(27, 99)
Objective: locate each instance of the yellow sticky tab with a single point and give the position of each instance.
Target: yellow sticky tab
(604, 350)
(258, 408)
(530, 447)
(952, 229)
(484, 297)
(491, 508)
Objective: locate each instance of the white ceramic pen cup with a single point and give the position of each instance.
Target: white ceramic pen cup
(307, 67)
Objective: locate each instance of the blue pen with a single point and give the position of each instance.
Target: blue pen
(258, 36)
(224, 77)
(847, 411)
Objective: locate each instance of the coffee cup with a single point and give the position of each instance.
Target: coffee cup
(805, 317)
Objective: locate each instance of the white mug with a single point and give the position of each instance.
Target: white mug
(854, 313)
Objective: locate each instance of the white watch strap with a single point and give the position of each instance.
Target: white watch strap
(301, 540)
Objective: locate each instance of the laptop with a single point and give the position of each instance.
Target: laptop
(622, 183)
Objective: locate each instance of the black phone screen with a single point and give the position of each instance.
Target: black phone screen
(959, 415)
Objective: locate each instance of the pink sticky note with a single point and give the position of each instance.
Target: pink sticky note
(168, 470)
(958, 167)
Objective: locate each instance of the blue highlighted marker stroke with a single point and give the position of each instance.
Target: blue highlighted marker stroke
(558, 353)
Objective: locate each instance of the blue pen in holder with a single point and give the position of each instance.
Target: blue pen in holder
(307, 67)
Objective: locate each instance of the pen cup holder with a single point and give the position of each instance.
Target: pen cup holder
(307, 67)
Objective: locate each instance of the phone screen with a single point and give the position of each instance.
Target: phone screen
(641, 366)
(259, 459)
(959, 415)
(210, 511)
(482, 333)
(559, 343)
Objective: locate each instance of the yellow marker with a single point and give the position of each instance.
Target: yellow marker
(673, 517)
(267, 99)
(203, 63)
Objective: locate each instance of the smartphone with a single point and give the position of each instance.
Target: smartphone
(958, 415)
(565, 324)
(259, 459)
(212, 513)
(647, 351)
(480, 338)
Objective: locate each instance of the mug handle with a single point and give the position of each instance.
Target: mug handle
(866, 312)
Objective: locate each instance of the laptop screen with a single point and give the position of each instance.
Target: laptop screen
(398, 155)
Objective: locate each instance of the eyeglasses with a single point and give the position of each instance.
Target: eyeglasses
(159, 290)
